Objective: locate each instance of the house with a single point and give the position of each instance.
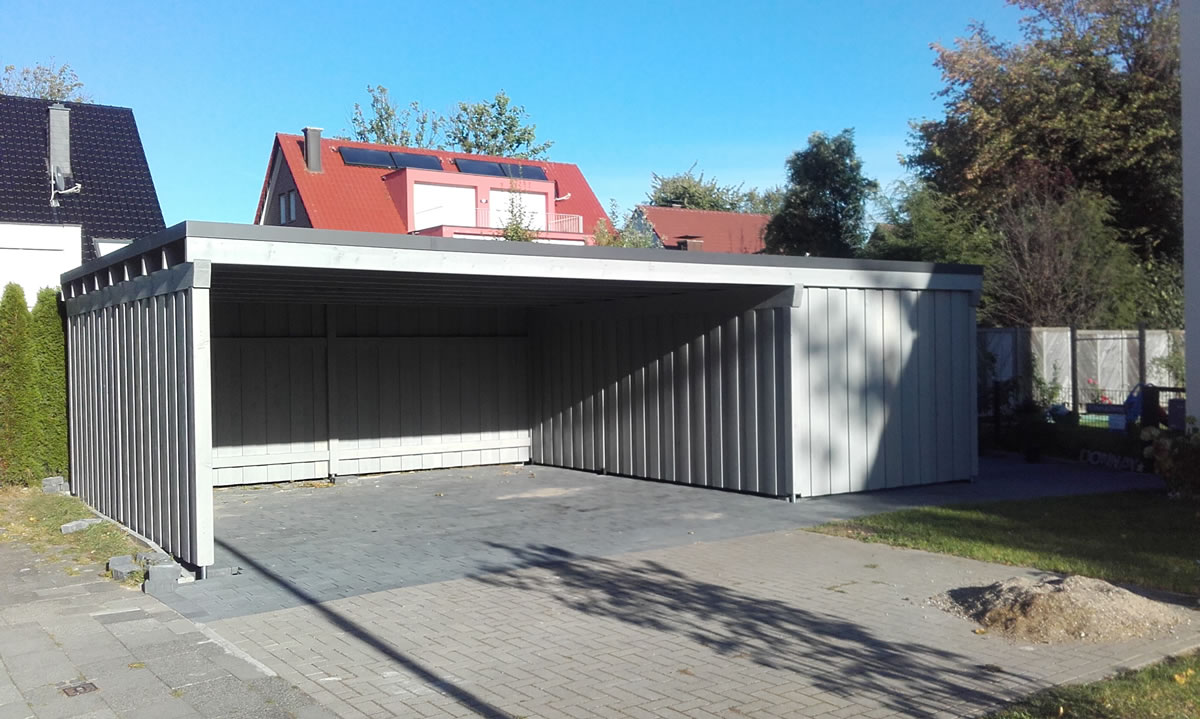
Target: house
(74, 184)
(334, 184)
(678, 228)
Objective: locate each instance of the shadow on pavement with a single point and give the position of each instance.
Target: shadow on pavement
(364, 635)
(836, 655)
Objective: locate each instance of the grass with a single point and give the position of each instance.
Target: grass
(1140, 538)
(29, 516)
(1167, 689)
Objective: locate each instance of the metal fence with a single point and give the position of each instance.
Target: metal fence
(1090, 371)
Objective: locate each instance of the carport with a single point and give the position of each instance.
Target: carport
(216, 354)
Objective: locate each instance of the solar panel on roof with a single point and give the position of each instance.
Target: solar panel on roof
(480, 167)
(523, 172)
(366, 158)
(411, 159)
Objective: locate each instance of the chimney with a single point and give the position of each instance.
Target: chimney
(693, 245)
(60, 140)
(312, 149)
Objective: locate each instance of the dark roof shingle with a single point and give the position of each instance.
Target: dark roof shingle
(118, 200)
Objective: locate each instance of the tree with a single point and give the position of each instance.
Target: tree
(694, 192)
(411, 126)
(632, 232)
(50, 382)
(18, 395)
(924, 225)
(1093, 89)
(824, 208)
(763, 202)
(43, 81)
(496, 127)
(1056, 259)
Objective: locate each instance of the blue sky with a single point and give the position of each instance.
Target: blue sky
(623, 89)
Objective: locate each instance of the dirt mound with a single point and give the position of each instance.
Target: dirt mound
(1062, 610)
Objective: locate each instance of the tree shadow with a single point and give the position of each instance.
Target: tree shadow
(837, 655)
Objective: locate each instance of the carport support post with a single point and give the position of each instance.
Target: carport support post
(794, 390)
(201, 405)
(331, 387)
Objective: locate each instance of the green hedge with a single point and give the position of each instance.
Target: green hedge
(33, 388)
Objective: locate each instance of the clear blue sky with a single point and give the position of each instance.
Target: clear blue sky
(623, 89)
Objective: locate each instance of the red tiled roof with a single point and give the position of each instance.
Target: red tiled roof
(733, 232)
(349, 197)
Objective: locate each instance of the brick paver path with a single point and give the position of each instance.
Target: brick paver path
(721, 624)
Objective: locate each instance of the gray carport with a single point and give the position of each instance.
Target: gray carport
(214, 354)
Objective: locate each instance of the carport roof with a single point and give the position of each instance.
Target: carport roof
(267, 263)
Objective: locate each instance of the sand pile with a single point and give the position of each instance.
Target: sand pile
(1062, 610)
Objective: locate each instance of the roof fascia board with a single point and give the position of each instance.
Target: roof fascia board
(133, 249)
(647, 267)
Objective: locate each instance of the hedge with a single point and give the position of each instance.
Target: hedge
(33, 388)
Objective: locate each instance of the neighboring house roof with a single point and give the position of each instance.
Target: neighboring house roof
(117, 200)
(352, 197)
(734, 232)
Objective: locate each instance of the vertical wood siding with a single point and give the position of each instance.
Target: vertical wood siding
(132, 420)
(411, 388)
(888, 376)
(689, 399)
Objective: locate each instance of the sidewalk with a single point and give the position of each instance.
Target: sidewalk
(60, 629)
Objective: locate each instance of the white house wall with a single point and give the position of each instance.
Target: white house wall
(34, 256)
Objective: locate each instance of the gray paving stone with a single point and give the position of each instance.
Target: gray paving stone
(16, 710)
(183, 670)
(79, 525)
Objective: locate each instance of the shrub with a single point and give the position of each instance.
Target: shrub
(50, 382)
(19, 461)
(1176, 458)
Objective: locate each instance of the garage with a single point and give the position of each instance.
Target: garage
(213, 355)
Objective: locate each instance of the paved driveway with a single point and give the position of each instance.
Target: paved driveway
(535, 592)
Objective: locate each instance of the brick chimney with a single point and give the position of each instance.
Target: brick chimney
(693, 245)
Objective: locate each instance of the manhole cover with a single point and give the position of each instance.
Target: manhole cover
(77, 689)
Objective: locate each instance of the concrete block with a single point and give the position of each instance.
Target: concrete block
(162, 579)
(55, 485)
(122, 567)
(148, 558)
(79, 525)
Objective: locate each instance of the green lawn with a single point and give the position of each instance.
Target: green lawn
(1169, 689)
(1140, 538)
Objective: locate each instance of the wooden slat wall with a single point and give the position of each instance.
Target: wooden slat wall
(412, 388)
(132, 455)
(890, 390)
(690, 398)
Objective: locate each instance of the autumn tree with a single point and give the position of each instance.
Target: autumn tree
(1092, 89)
(824, 207)
(43, 81)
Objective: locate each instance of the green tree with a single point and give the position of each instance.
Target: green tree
(694, 192)
(763, 202)
(50, 381)
(43, 81)
(19, 433)
(924, 225)
(495, 127)
(388, 124)
(632, 232)
(1092, 89)
(824, 209)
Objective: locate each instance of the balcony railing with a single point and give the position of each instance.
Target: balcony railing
(549, 222)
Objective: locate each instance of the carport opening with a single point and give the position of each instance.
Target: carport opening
(330, 373)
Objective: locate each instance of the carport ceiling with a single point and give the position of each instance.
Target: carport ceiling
(242, 283)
